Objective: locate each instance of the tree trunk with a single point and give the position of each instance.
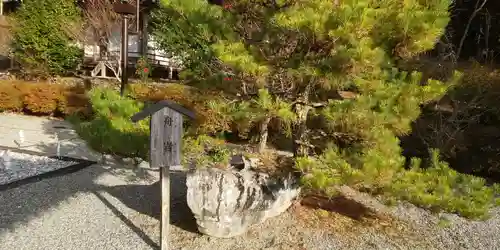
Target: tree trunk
(477, 9)
(299, 137)
(264, 133)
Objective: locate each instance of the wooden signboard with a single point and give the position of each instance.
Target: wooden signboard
(165, 150)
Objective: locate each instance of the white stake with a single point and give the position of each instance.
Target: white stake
(2, 161)
(58, 147)
(6, 159)
(21, 136)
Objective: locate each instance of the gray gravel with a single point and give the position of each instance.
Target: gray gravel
(450, 231)
(73, 211)
(16, 166)
(104, 207)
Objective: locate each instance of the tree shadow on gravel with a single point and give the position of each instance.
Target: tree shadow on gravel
(22, 204)
(146, 199)
(127, 222)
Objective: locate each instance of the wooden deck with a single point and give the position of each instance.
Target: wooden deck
(106, 67)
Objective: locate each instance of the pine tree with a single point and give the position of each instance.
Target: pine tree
(334, 64)
(260, 110)
(308, 52)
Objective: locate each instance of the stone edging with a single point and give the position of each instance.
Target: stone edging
(81, 164)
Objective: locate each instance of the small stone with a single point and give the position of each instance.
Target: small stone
(237, 162)
(143, 164)
(107, 158)
(128, 161)
(240, 162)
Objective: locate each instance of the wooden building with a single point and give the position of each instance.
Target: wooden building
(100, 61)
(104, 61)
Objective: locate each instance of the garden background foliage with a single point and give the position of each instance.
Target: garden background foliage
(331, 74)
(42, 36)
(336, 62)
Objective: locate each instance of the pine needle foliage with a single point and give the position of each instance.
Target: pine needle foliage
(291, 58)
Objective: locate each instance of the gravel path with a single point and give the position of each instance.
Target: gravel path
(41, 134)
(105, 207)
(449, 231)
(16, 166)
(67, 212)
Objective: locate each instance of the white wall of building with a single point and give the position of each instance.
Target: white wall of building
(156, 55)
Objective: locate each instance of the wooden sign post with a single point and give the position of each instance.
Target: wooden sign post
(165, 150)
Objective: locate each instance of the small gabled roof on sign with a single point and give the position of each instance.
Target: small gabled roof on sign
(124, 8)
(150, 110)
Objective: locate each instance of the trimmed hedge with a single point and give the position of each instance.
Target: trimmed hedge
(44, 98)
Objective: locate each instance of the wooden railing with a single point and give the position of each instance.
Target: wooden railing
(111, 59)
(153, 58)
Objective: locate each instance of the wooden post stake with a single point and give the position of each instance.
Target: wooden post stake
(165, 151)
(125, 10)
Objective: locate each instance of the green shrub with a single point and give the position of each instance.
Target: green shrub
(436, 186)
(205, 151)
(111, 130)
(439, 187)
(41, 37)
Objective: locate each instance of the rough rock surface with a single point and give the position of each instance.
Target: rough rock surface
(226, 203)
